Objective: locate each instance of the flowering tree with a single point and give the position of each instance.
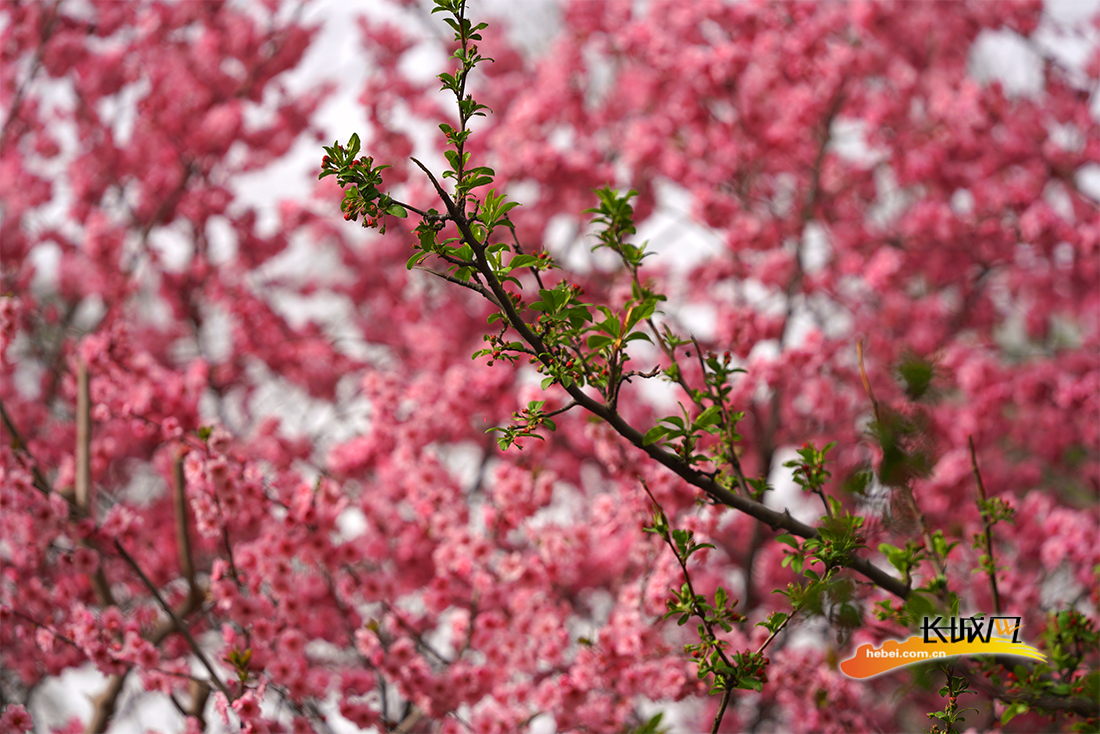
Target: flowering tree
(904, 286)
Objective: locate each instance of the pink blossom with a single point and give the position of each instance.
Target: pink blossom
(351, 523)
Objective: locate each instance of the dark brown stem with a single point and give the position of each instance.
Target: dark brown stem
(176, 621)
(476, 287)
(19, 444)
(721, 713)
(987, 526)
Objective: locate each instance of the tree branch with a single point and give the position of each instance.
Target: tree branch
(176, 621)
(476, 287)
(20, 445)
(183, 535)
(986, 526)
(667, 459)
(83, 479)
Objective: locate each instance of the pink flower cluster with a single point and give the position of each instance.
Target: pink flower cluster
(317, 501)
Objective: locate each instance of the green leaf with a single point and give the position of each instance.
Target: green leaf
(397, 210)
(774, 621)
(1013, 711)
(522, 261)
(353, 146)
(472, 182)
(918, 605)
(415, 260)
(709, 417)
(598, 341)
(651, 726)
(654, 434)
(643, 311)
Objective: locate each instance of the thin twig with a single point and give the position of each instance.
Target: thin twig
(825, 501)
(986, 525)
(183, 535)
(19, 444)
(183, 630)
(476, 287)
(36, 64)
(778, 629)
(83, 480)
(569, 406)
(412, 208)
(519, 249)
(697, 610)
(863, 376)
(907, 490)
(716, 399)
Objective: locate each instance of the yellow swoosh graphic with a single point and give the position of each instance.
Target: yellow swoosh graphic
(869, 661)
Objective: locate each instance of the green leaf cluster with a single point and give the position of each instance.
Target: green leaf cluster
(240, 660)
(525, 424)
(809, 469)
(952, 714)
(615, 215)
(361, 181)
(686, 430)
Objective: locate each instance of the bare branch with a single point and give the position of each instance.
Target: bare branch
(105, 703)
(18, 443)
(83, 457)
(986, 526)
(476, 287)
(183, 535)
(176, 621)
